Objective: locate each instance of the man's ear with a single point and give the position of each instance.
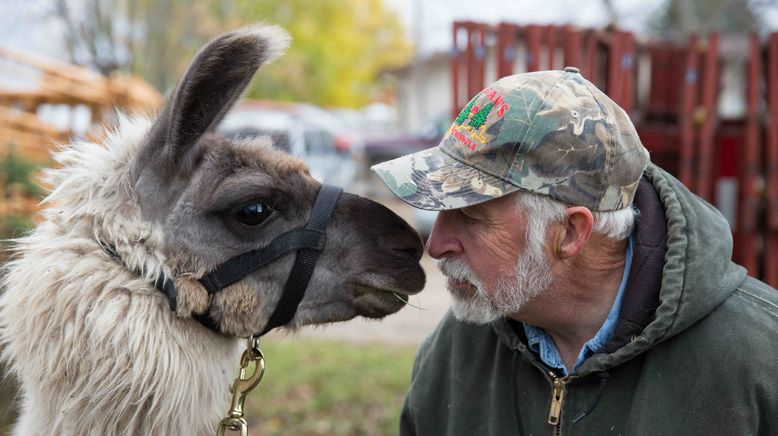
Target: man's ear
(576, 229)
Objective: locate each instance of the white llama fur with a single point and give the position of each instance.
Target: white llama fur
(94, 345)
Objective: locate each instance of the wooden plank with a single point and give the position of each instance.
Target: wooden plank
(24, 121)
(51, 66)
(133, 94)
(31, 146)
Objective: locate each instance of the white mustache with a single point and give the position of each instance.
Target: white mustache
(459, 271)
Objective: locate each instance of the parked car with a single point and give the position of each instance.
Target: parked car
(385, 146)
(303, 131)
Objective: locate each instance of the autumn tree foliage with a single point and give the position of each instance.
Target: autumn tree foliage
(338, 49)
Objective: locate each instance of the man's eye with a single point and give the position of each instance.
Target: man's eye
(254, 214)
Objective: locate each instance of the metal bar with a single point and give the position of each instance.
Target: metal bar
(686, 114)
(628, 60)
(454, 68)
(655, 103)
(481, 55)
(532, 33)
(613, 78)
(748, 206)
(550, 46)
(771, 240)
(590, 64)
(572, 47)
(506, 48)
(470, 59)
(707, 110)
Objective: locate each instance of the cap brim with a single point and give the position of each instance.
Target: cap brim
(433, 180)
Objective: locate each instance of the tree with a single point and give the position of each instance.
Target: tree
(338, 48)
(150, 38)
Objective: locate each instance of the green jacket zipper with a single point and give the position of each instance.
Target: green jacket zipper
(557, 392)
(557, 396)
(559, 384)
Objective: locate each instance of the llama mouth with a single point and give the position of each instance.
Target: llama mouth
(378, 303)
(380, 296)
(381, 284)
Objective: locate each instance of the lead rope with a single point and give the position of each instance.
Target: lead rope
(241, 386)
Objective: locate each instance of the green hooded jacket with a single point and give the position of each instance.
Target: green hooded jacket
(695, 350)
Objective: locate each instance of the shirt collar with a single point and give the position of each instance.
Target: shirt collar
(540, 342)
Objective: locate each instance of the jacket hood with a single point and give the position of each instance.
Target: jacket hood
(697, 276)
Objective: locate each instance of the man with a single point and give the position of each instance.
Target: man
(593, 293)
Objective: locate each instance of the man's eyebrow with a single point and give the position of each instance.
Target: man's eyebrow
(473, 211)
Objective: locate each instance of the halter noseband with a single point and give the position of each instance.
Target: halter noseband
(307, 241)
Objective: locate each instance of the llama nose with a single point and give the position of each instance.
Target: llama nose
(412, 248)
(403, 238)
(388, 229)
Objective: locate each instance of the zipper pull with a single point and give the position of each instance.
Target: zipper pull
(557, 395)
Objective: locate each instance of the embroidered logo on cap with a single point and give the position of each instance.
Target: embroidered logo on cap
(472, 119)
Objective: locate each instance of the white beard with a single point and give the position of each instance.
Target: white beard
(530, 277)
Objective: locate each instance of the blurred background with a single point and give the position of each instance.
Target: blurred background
(369, 80)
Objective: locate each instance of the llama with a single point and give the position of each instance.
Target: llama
(95, 344)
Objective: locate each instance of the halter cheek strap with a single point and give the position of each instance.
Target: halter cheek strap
(307, 241)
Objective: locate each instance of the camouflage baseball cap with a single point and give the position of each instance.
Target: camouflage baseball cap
(548, 132)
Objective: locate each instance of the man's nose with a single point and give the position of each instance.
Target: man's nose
(443, 239)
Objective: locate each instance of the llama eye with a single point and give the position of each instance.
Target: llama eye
(254, 214)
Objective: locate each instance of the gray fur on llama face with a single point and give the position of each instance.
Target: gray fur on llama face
(94, 344)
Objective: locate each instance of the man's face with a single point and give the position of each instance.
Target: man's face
(493, 268)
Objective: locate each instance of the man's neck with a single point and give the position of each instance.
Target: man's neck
(577, 303)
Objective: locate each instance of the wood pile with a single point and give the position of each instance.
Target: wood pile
(28, 135)
(69, 85)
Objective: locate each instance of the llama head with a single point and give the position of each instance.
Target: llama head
(215, 199)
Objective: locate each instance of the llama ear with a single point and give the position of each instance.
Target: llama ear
(211, 85)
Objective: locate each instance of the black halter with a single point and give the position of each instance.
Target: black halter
(308, 241)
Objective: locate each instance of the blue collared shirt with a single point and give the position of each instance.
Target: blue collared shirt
(540, 342)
